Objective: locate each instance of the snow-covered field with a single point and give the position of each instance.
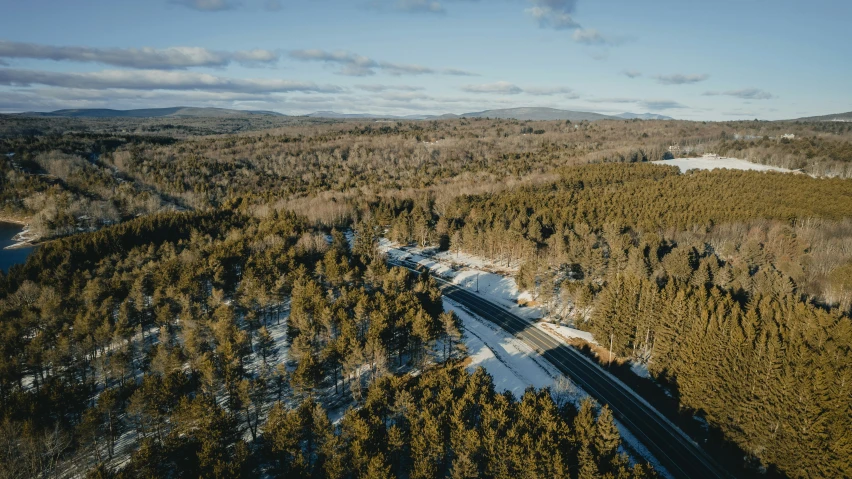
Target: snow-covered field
(686, 164)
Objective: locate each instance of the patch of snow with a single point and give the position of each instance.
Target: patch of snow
(473, 276)
(280, 348)
(512, 364)
(565, 333)
(640, 369)
(711, 163)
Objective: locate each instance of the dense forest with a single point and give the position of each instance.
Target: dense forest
(212, 303)
(328, 169)
(733, 287)
(155, 342)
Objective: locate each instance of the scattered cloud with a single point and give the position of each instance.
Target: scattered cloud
(419, 6)
(207, 5)
(745, 94)
(458, 73)
(402, 69)
(501, 87)
(644, 104)
(272, 5)
(614, 100)
(405, 96)
(556, 14)
(145, 58)
(590, 36)
(632, 73)
(156, 80)
(681, 79)
(506, 88)
(750, 114)
(381, 88)
(352, 64)
(552, 91)
(660, 104)
(407, 6)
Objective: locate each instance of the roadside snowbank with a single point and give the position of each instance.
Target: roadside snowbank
(473, 275)
(564, 333)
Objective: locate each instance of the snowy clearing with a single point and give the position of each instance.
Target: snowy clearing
(710, 163)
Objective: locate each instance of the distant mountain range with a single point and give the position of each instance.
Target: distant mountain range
(176, 112)
(508, 113)
(644, 116)
(835, 117)
(193, 112)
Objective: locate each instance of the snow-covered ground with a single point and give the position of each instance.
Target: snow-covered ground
(496, 284)
(711, 163)
(514, 367)
(565, 333)
(474, 274)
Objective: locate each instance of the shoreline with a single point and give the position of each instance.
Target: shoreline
(14, 221)
(22, 239)
(23, 244)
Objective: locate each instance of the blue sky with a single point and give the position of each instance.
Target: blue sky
(702, 60)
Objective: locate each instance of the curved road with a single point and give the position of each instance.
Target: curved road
(679, 454)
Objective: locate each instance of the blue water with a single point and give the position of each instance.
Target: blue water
(9, 257)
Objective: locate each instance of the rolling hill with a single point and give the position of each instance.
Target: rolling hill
(523, 114)
(835, 117)
(644, 116)
(539, 114)
(509, 113)
(174, 112)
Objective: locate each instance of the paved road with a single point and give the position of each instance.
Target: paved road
(675, 450)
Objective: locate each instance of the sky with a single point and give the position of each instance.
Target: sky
(696, 59)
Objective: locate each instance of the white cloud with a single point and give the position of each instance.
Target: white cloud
(681, 79)
(745, 94)
(501, 87)
(380, 88)
(145, 58)
(207, 5)
(661, 104)
(420, 6)
(556, 14)
(156, 80)
(506, 88)
(590, 36)
(632, 73)
(352, 64)
(551, 91)
(614, 100)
